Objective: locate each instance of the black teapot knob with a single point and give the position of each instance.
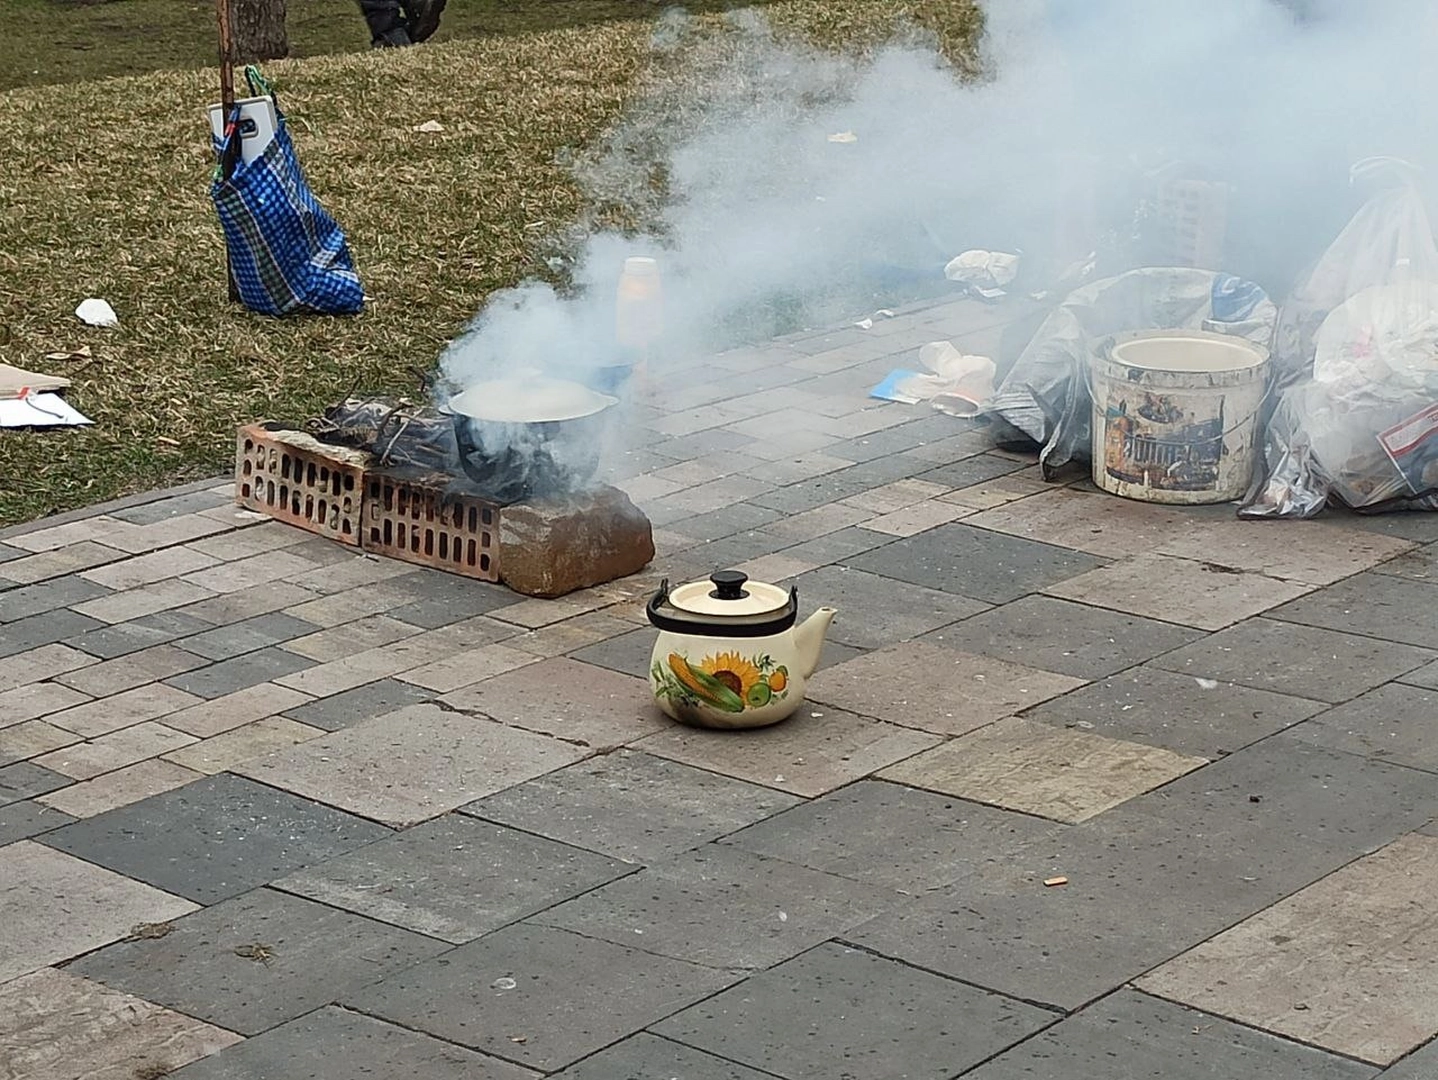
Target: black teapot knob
(729, 585)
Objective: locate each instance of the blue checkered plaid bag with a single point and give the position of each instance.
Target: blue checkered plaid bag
(287, 255)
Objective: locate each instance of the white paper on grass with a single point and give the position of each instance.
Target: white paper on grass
(40, 410)
(97, 312)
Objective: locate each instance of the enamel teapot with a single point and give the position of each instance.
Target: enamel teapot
(728, 653)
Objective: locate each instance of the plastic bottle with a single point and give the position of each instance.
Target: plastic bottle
(639, 310)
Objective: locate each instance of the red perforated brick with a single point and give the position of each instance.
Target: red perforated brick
(431, 526)
(296, 479)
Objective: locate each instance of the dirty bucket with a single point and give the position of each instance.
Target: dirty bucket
(1175, 415)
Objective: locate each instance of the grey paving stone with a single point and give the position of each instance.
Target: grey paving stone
(164, 509)
(215, 838)
(247, 636)
(49, 595)
(1300, 660)
(239, 672)
(896, 440)
(1138, 1037)
(701, 443)
(731, 550)
(838, 547)
(257, 960)
(814, 492)
(25, 780)
(7, 553)
(628, 653)
(365, 702)
(1426, 676)
(1422, 527)
(852, 832)
(723, 908)
(441, 599)
(1390, 723)
(879, 471)
(632, 806)
(521, 978)
(1160, 708)
(1420, 564)
(1422, 1064)
(717, 524)
(36, 630)
(1057, 635)
(648, 1057)
(1377, 605)
(122, 639)
(967, 472)
(972, 562)
(1157, 875)
(24, 819)
(336, 1044)
(454, 878)
(837, 1012)
(875, 611)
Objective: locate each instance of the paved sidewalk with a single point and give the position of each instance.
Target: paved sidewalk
(272, 810)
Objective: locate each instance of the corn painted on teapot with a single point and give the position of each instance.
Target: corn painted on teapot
(729, 654)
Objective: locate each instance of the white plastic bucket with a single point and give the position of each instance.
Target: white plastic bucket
(1175, 415)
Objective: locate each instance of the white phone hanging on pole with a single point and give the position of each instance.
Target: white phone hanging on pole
(258, 123)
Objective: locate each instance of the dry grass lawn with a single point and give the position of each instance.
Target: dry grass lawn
(104, 193)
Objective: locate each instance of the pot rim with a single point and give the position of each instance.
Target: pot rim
(598, 403)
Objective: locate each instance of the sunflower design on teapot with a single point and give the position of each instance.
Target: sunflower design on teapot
(728, 681)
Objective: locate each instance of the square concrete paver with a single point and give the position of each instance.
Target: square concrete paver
(411, 765)
(816, 750)
(632, 806)
(54, 906)
(1378, 605)
(1160, 708)
(648, 1057)
(1391, 723)
(350, 707)
(1135, 1036)
(1349, 964)
(22, 820)
(337, 1044)
(257, 960)
(1303, 661)
(54, 1024)
(935, 689)
(851, 832)
(521, 978)
(215, 838)
(722, 907)
(454, 878)
(837, 1012)
(876, 611)
(1314, 552)
(1178, 591)
(1051, 772)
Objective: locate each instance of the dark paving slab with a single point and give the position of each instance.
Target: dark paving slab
(1138, 1037)
(896, 440)
(240, 672)
(215, 838)
(60, 592)
(628, 653)
(7, 553)
(1058, 635)
(1420, 564)
(880, 471)
(701, 443)
(122, 639)
(972, 562)
(648, 1057)
(1378, 605)
(336, 1044)
(164, 509)
(727, 551)
(852, 832)
(24, 819)
(1157, 875)
(632, 806)
(454, 878)
(875, 611)
(1159, 708)
(365, 702)
(840, 1012)
(247, 636)
(520, 979)
(1422, 1064)
(1422, 527)
(966, 472)
(25, 780)
(723, 908)
(36, 630)
(717, 524)
(814, 492)
(1300, 660)
(257, 960)
(837, 547)
(441, 599)
(1426, 676)
(1392, 723)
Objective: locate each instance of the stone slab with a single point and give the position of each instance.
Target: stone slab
(1060, 636)
(349, 707)
(250, 669)
(722, 907)
(148, 702)
(86, 760)
(1426, 676)
(631, 806)
(24, 635)
(876, 611)
(454, 878)
(248, 635)
(412, 765)
(257, 960)
(337, 1044)
(348, 638)
(34, 700)
(1349, 963)
(119, 788)
(31, 739)
(135, 669)
(204, 718)
(124, 639)
(1420, 1065)
(26, 779)
(627, 654)
(45, 596)
(147, 569)
(1377, 605)
(27, 818)
(1391, 723)
(1093, 523)
(1313, 552)
(1267, 654)
(215, 838)
(40, 663)
(837, 1011)
(54, 1024)
(164, 595)
(241, 744)
(54, 906)
(522, 977)
(648, 1057)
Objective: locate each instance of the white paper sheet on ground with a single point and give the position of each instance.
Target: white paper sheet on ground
(956, 383)
(987, 271)
(40, 410)
(97, 312)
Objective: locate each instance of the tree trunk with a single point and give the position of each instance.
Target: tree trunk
(259, 30)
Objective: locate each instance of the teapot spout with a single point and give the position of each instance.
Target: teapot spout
(809, 639)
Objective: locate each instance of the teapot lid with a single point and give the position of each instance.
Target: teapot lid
(728, 593)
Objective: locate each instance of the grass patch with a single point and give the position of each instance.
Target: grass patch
(104, 193)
